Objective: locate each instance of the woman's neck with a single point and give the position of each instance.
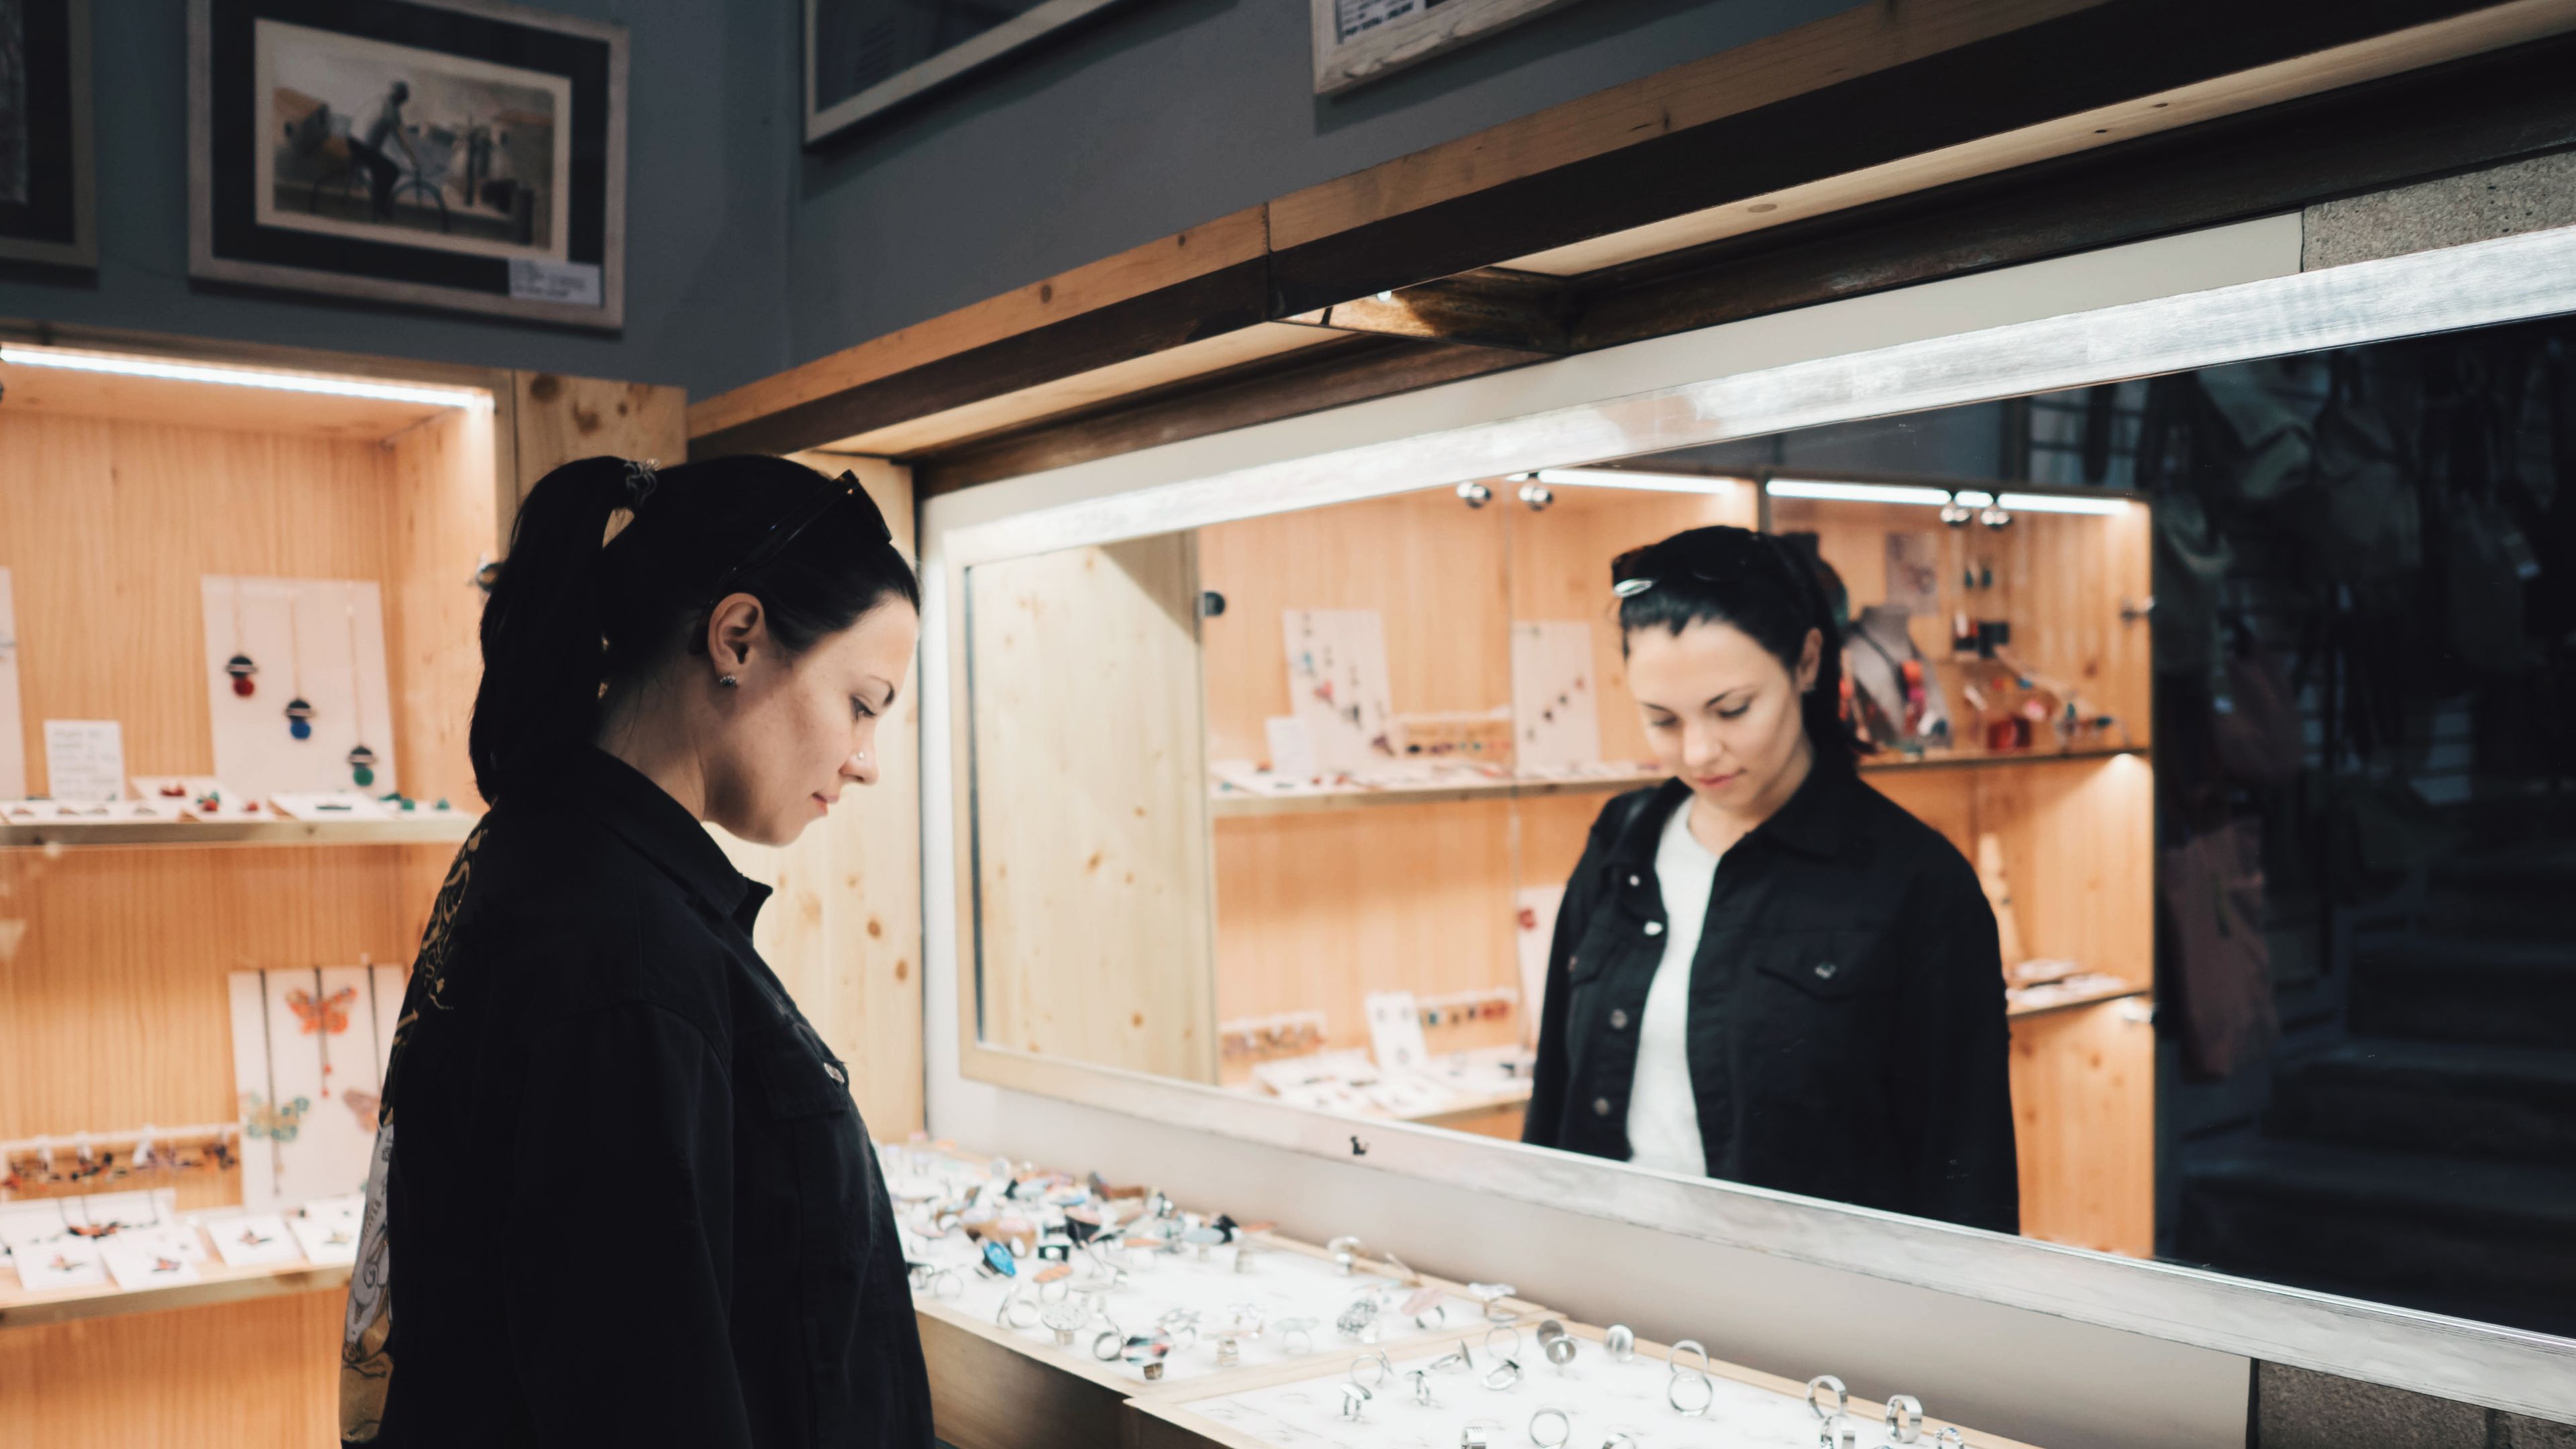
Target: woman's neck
(1719, 827)
(657, 746)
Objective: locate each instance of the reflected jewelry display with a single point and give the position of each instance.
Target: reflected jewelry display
(1620, 1342)
(1546, 1437)
(1904, 1418)
(1827, 1383)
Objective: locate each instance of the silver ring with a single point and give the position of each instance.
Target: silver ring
(1549, 1330)
(1512, 1352)
(1673, 1358)
(1288, 1340)
(1456, 1361)
(1560, 1350)
(1842, 1396)
(946, 1284)
(1378, 1366)
(1904, 1418)
(1010, 1313)
(1053, 1290)
(1437, 1316)
(1837, 1433)
(1354, 1399)
(1950, 1438)
(1105, 1344)
(1479, 1433)
(1502, 1376)
(1620, 1439)
(1421, 1387)
(1564, 1428)
(1680, 1400)
(1229, 1350)
(1620, 1342)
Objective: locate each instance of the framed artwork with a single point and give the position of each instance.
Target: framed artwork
(437, 153)
(48, 211)
(1357, 41)
(864, 56)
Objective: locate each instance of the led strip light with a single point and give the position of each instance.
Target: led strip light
(21, 355)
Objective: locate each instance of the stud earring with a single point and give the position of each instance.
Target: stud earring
(728, 681)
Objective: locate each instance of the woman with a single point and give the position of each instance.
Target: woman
(1763, 969)
(630, 1201)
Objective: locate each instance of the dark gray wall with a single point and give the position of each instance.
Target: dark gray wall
(1165, 114)
(746, 255)
(711, 146)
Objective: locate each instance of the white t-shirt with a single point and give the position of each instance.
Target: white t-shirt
(1663, 1116)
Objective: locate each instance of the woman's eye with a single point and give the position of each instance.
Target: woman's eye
(859, 708)
(1735, 713)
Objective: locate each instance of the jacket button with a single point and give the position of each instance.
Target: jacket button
(1618, 1020)
(1654, 928)
(1825, 970)
(1600, 1106)
(1632, 880)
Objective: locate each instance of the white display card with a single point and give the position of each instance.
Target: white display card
(254, 1240)
(309, 1050)
(84, 760)
(319, 639)
(1292, 750)
(146, 1263)
(1555, 700)
(1395, 1030)
(1337, 686)
(13, 739)
(1598, 1398)
(329, 1238)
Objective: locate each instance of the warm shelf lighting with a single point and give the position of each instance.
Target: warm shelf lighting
(1619, 478)
(21, 355)
(1858, 492)
(2059, 503)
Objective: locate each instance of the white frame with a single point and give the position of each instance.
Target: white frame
(1393, 46)
(2207, 298)
(608, 316)
(1036, 24)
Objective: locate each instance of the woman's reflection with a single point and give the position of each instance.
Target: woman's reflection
(1764, 970)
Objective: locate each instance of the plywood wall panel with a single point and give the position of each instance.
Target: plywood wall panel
(261, 1372)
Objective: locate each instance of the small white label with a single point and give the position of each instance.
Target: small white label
(84, 760)
(572, 283)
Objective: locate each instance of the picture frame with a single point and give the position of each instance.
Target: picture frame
(466, 155)
(863, 57)
(48, 160)
(1358, 41)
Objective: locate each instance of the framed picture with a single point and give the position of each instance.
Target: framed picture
(1357, 41)
(47, 210)
(863, 56)
(439, 153)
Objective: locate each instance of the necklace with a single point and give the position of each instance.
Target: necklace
(299, 710)
(362, 761)
(239, 666)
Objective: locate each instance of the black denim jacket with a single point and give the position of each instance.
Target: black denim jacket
(1846, 1032)
(627, 1198)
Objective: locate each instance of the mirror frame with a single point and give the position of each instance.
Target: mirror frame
(2227, 294)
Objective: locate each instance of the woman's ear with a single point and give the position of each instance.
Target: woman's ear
(735, 631)
(1811, 657)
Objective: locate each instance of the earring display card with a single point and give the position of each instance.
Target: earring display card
(13, 738)
(254, 1240)
(326, 1237)
(146, 1264)
(309, 1049)
(1337, 686)
(1555, 707)
(321, 641)
(1395, 1030)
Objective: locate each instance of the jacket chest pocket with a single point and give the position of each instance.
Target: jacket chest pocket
(806, 1091)
(1809, 983)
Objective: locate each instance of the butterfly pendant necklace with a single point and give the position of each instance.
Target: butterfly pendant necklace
(240, 666)
(299, 710)
(362, 761)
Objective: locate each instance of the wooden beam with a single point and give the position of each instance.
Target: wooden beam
(1224, 242)
(1351, 370)
(2470, 113)
(1986, 87)
(1489, 307)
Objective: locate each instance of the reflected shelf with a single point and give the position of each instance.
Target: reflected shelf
(446, 829)
(1229, 801)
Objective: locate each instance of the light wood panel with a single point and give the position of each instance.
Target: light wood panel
(2060, 580)
(1316, 911)
(556, 418)
(1434, 569)
(443, 525)
(1089, 806)
(2084, 1105)
(37, 391)
(1223, 242)
(843, 931)
(1561, 570)
(254, 1373)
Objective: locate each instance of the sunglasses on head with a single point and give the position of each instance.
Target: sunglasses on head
(785, 530)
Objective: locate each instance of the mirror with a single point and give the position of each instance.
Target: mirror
(2239, 696)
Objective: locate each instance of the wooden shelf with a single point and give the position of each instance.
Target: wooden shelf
(1230, 803)
(431, 830)
(217, 1283)
(2072, 1000)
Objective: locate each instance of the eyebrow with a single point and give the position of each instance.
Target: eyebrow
(1705, 703)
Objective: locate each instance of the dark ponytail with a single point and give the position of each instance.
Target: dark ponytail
(573, 612)
(1773, 588)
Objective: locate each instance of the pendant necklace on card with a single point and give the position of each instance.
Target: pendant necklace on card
(239, 666)
(362, 761)
(299, 710)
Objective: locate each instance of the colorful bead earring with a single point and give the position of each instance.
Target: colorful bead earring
(362, 761)
(239, 666)
(299, 710)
